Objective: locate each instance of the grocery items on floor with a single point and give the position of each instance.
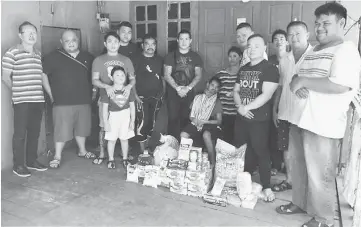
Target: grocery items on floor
(185, 170)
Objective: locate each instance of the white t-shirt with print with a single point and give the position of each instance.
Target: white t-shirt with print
(288, 68)
(326, 114)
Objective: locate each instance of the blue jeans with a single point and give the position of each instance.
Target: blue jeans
(314, 161)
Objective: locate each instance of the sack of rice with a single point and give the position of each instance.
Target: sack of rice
(230, 162)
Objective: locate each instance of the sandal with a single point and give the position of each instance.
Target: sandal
(54, 164)
(111, 164)
(125, 163)
(314, 223)
(87, 155)
(289, 209)
(283, 186)
(274, 172)
(99, 160)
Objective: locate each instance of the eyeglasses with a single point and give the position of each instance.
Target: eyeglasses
(29, 33)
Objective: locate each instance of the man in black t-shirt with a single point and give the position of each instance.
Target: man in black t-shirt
(255, 85)
(150, 84)
(183, 71)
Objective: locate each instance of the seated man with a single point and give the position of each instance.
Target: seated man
(206, 117)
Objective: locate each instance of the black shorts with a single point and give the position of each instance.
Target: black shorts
(197, 136)
(283, 135)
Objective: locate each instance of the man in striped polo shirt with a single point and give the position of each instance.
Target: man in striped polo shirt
(22, 72)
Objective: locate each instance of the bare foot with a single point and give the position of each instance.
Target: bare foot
(269, 196)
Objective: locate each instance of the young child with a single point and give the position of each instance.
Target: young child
(118, 116)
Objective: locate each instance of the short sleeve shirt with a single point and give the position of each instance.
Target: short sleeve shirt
(216, 110)
(251, 79)
(104, 65)
(149, 71)
(119, 102)
(322, 113)
(226, 92)
(184, 62)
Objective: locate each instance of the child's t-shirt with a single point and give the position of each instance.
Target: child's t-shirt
(119, 102)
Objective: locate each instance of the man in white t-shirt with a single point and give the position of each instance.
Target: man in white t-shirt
(330, 73)
(297, 33)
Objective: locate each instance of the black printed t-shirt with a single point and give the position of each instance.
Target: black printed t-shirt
(149, 71)
(251, 79)
(184, 62)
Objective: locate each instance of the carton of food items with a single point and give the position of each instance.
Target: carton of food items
(230, 161)
(177, 164)
(196, 190)
(195, 159)
(179, 187)
(184, 149)
(132, 173)
(194, 177)
(151, 178)
(215, 200)
(218, 186)
(164, 181)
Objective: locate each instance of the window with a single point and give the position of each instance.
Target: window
(145, 21)
(178, 17)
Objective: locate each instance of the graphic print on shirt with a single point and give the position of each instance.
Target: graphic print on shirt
(120, 100)
(249, 82)
(184, 70)
(109, 65)
(150, 70)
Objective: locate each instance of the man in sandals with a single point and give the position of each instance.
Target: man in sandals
(69, 72)
(330, 72)
(297, 33)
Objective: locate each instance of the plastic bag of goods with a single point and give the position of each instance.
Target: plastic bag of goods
(177, 164)
(244, 184)
(196, 190)
(145, 159)
(230, 162)
(163, 153)
(184, 149)
(151, 178)
(132, 173)
(215, 200)
(257, 189)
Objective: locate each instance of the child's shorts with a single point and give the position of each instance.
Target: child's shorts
(119, 126)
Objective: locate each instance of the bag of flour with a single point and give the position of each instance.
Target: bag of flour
(230, 162)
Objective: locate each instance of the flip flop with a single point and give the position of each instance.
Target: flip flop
(314, 223)
(54, 164)
(289, 209)
(88, 155)
(99, 160)
(283, 186)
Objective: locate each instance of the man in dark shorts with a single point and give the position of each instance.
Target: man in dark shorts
(69, 71)
(283, 99)
(206, 118)
(150, 86)
(182, 71)
(255, 85)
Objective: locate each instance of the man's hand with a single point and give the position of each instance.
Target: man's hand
(182, 92)
(106, 126)
(94, 94)
(302, 93)
(127, 90)
(242, 110)
(275, 118)
(111, 91)
(138, 99)
(296, 83)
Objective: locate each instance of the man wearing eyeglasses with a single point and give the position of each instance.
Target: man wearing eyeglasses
(22, 72)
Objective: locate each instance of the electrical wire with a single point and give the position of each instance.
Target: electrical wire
(356, 22)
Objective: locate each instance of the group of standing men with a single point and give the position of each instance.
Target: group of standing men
(306, 91)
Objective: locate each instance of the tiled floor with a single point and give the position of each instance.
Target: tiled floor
(83, 194)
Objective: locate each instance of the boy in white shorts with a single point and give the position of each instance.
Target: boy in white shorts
(118, 116)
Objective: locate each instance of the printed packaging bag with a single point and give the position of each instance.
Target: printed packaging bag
(151, 178)
(184, 149)
(132, 173)
(230, 161)
(195, 159)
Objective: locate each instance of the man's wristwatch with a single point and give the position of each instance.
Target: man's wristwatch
(94, 89)
(189, 88)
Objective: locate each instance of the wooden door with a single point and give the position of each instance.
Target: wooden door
(217, 29)
(277, 15)
(164, 19)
